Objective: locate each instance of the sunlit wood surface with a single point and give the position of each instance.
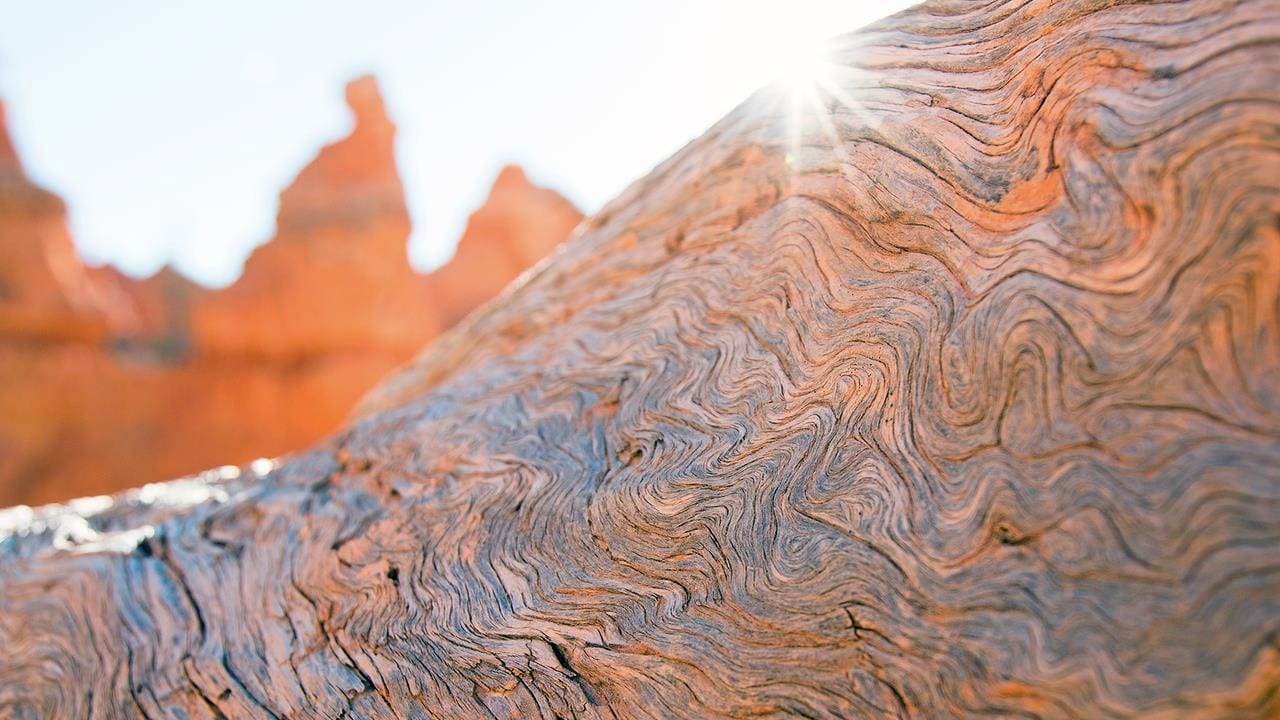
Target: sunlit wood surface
(954, 392)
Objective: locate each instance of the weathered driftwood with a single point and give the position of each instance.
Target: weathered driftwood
(959, 399)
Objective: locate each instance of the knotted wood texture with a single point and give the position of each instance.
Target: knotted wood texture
(960, 397)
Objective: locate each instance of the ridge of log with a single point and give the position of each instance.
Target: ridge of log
(960, 399)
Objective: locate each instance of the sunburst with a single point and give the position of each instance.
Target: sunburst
(814, 88)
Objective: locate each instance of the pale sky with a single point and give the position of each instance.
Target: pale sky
(170, 127)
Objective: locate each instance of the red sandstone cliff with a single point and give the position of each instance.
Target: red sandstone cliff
(518, 225)
(107, 382)
(336, 276)
(46, 294)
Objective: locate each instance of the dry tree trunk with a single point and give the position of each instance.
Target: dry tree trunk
(960, 397)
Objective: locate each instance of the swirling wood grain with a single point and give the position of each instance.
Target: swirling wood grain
(960, 398)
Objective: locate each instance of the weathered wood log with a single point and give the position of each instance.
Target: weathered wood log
(959, 398)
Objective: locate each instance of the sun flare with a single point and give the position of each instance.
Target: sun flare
(803, 68)
(814, 88)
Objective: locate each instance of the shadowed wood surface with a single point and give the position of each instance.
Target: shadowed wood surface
(953, 394)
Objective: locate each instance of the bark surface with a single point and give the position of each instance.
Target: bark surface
(955, 393)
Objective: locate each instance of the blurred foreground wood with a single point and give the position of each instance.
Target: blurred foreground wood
(954, 392)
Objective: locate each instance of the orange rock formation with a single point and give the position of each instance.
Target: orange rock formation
(107, 382)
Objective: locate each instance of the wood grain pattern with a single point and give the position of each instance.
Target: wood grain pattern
(961, 399)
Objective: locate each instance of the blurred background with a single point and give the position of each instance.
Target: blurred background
(221, 224)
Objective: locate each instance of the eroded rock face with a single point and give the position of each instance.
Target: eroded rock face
(517, 226)
(46, 294)
(336, 276)
(107, 382)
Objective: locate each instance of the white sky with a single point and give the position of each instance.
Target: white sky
(170, 127)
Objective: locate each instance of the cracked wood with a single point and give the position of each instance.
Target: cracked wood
(958, 398)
